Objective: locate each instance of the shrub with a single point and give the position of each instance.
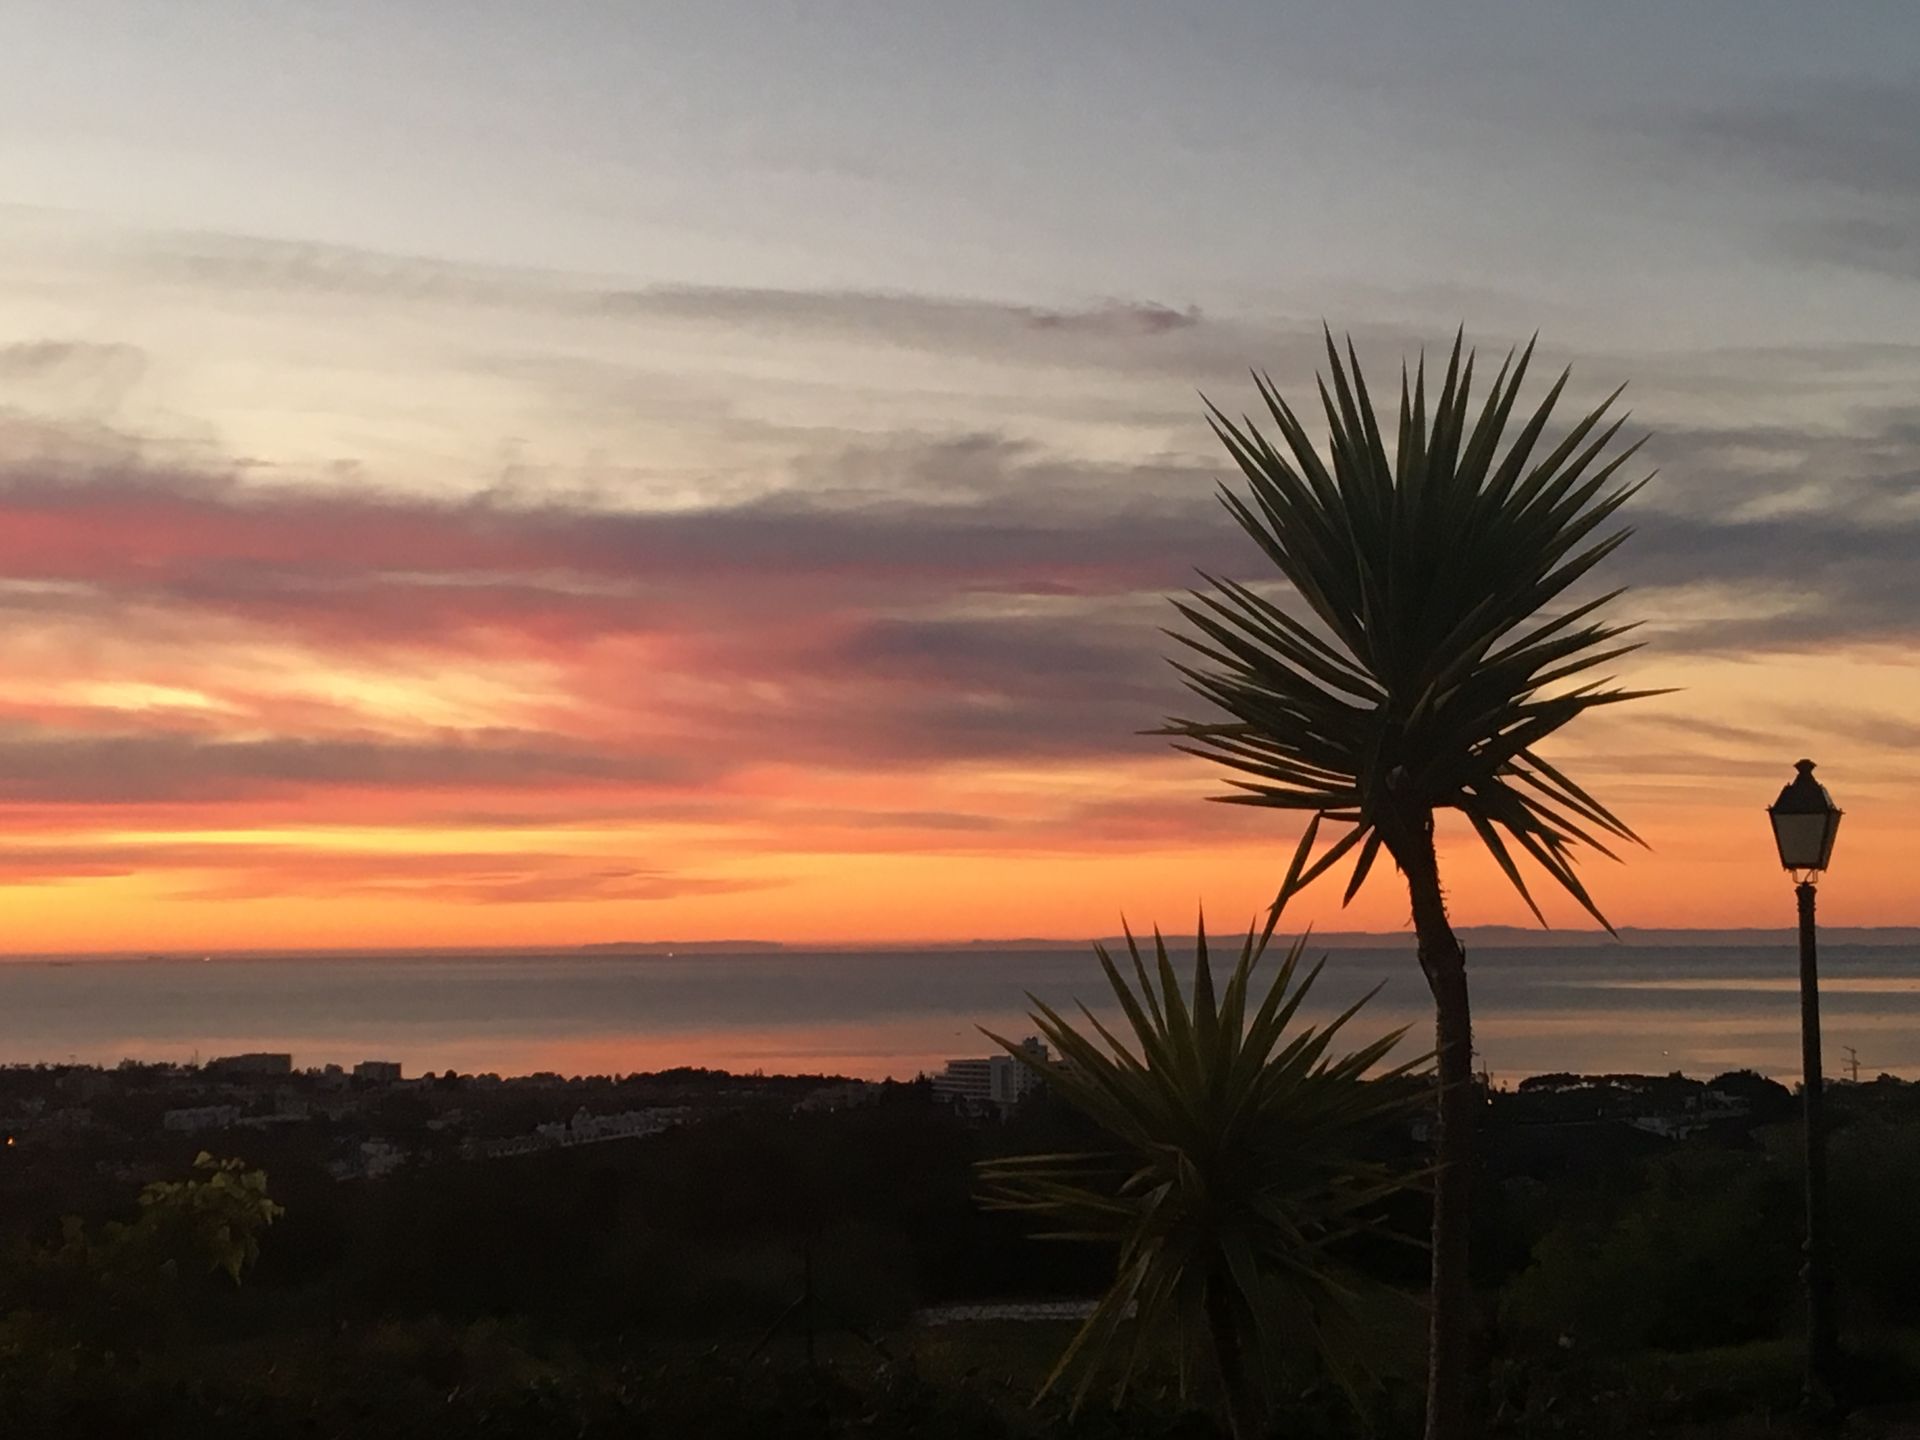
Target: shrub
(1706, 1254)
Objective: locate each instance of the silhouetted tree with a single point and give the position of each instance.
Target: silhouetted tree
(1233, 1160)
(1423, 677)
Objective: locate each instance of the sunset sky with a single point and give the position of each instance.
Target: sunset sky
(521, 474)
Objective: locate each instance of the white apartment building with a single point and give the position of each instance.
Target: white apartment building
(997, 1080)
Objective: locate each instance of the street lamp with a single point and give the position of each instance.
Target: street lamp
(1805, 822)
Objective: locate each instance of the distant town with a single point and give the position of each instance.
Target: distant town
(368, 1119)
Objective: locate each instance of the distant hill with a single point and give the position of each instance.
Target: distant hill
(684, 947)
(1489, 936)
(1484, 937)
(1481, 937)
(1521, 937)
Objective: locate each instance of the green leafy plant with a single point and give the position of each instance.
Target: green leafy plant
(217, 1217)
(211, 1221)
(1435, 655)
(1237, 1166)
(124, 1284)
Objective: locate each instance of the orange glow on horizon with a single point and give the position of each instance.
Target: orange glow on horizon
(1712, 868)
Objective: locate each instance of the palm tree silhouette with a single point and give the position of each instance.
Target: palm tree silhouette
(1423, 675)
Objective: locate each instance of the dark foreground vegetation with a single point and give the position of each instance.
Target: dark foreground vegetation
(758, 1273)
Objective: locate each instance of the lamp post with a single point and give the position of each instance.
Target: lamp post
(1805, 822)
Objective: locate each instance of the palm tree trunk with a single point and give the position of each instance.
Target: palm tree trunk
(1246, 1411)
(1450, 1315)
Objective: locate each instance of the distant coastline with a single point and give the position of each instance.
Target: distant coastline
(1503, 937)
(681, 947)
(1485, 937)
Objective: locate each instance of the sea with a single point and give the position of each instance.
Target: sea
(873, 1014)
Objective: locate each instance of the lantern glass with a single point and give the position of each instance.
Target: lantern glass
(1805, 823)
(1805, 841)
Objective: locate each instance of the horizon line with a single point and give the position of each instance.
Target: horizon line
(1504, 937)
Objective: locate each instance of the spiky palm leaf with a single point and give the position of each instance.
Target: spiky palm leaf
(1435, 669)
(1235, 1166)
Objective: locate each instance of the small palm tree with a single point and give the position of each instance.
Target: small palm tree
(1235, 1167)
(1430, 665)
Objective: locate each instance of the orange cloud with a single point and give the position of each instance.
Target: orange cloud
(237, 714)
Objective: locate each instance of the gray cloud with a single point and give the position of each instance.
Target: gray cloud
(74, 377)
(1821, 580)
(1843, 135)
(1892, 732)
(909, 316)
(1853, 146)
(1165, 340)
(1865, 467)
(966, 514)
(906, 600)
(1881, 245)
(39, 766)
(1117, 320)
(240, 263)
(1053, 652)
(33, 359)
(1818, 526)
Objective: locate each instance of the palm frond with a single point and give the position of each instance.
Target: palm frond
(1237, 1137)
(1437, 650)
